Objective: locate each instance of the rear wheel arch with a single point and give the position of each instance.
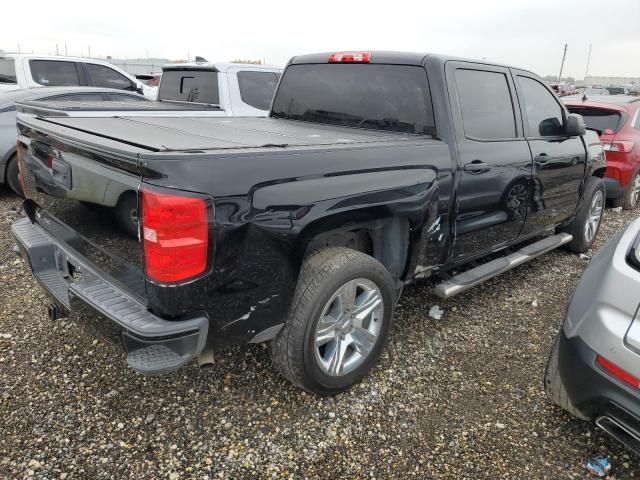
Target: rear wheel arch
(386, 239)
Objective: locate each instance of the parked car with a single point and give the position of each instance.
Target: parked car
(8, 133)
(240, 90)
(32, 71)
(594, 366)
(616, 118)
(372, 170)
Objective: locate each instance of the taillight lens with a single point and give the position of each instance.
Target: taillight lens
(350, 57)
(618, 372)
(175, 236)
(622, 146)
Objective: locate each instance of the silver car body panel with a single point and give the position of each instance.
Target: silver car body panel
(605, 302)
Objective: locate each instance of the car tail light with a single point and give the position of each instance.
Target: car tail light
(350, 57)
(175, 236)
(622, 146)
(618, 372)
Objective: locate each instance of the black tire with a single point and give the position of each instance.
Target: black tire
(323, 273)
(553, 386)
(12, 176)
(126, 213)
(577, 227)
(630, 197)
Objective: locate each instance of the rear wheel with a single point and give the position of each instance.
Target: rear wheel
(126, 213)
(338, 323)
(586, 223)
(553, 386)
(632, 194)
(12, 176)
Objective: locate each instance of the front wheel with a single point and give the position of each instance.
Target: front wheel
(338, 323)
(585, 225)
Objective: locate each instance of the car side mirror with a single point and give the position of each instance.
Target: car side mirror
(138, 88)
(574, 125)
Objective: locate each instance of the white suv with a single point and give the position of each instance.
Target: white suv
(29, 71)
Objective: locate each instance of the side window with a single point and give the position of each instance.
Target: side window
(485, 103)
(122, 97)
(54, 73)
(257, 88)
(78, 97)
(101, 76)
(544, 113)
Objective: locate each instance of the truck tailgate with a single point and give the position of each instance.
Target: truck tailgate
(73, 192)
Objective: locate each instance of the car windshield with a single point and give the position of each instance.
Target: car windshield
(393, 98)
(7, 70)
(599, 119)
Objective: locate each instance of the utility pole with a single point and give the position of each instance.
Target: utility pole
(65, 50)
(586, 73)
(57, 52)
(18, 48)
(89, 47)
(564, 55)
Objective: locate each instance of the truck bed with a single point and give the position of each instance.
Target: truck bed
(185, 133)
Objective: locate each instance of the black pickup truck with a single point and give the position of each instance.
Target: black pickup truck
(373, 169)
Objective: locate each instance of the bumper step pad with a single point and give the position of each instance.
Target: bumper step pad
(470, 278)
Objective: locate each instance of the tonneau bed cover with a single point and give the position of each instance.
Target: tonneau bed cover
(186, 133)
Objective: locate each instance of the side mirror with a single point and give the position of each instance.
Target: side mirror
(138, 88)
(574, 125)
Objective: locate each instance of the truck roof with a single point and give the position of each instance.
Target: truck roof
(392, 57)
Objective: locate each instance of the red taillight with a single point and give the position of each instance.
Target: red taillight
(175, 236)
(622, 146)
(350, 57)
(617, 372)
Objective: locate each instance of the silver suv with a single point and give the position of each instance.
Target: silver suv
(594, 367)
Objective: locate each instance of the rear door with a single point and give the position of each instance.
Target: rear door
(494, 159)
(558, 160)
(55, 73)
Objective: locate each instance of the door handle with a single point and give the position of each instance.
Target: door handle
(542, 158)
(476, 166)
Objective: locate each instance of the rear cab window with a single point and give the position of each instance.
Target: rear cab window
(599, 119)
(197, 86)
(394, 98)
(7, 70)
(257, 88)
(55, 73)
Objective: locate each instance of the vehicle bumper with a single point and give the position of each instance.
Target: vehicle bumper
(618, 176)
(614, 406)
(613, 188)
(153, 345)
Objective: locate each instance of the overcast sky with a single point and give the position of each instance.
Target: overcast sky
(526, 33)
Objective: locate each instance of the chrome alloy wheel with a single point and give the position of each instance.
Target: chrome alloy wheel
(348, 327)
(595, 214)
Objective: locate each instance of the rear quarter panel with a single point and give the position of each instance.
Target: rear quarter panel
(269, 204)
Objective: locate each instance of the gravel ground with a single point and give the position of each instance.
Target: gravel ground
(456, 398)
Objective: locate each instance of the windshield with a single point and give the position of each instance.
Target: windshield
(380, 97)
(7, 70)
(599, 118)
